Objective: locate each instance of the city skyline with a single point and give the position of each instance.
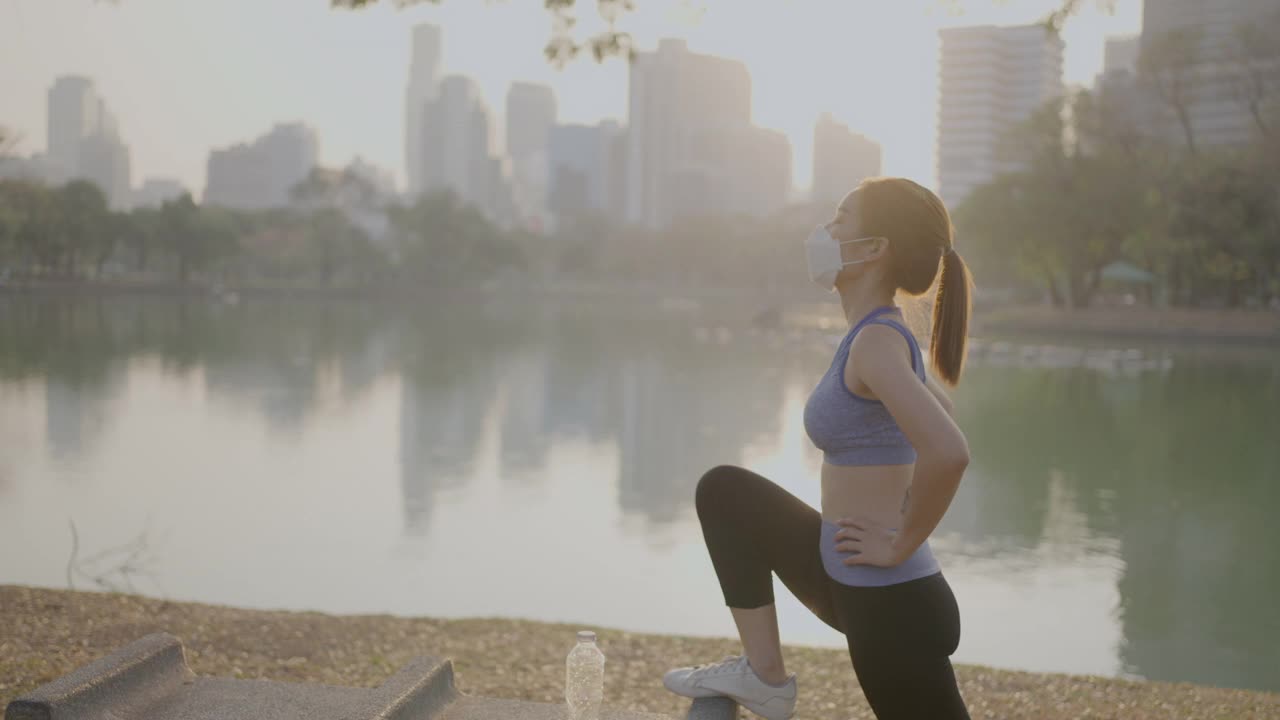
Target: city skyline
(207, 104)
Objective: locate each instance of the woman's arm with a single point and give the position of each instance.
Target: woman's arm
(942, 453)
(940, 394)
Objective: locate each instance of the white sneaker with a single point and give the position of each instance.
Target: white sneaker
(734, 678)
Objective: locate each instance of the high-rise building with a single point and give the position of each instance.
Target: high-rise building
(73, 116)
(1129, 107)
(531, 113)
(1217, 99)
(735, 171)
(1120, 54)
(841, 159)
(105, 162)
(766, 179)
(84, 141)
(675, 95)
(107, 123)
(616, 180)
(450, 138)
(991, 78)
(424, 70)
(457, 149)
(262, 174)
(584, 171)
(575, 170)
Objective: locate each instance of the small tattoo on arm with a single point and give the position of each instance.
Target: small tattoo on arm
(906, 498)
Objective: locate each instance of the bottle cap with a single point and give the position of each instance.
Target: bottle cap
(586, 636)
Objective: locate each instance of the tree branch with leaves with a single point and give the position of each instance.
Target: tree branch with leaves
(613, 41)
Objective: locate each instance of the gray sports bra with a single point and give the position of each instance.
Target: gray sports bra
(848, 428)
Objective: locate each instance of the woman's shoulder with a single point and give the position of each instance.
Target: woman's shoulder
(884, 341)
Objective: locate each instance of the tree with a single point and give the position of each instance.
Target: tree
(144, 231)
(197, 236)
(334, 243)
(344, 188)
(998, 226)
(1068, 212)
(1168, 66)
(444, 243)
(614, 42)
(83, 214)
(1224, 214)
(562, 46)
(1254, 68)
(31, 220)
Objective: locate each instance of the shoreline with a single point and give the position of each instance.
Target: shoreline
(1258, 327)
(46, 633)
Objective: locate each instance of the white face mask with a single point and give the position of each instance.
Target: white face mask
(825, 260)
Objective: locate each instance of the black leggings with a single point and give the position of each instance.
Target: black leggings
(900, 636)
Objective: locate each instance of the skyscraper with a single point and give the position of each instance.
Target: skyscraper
(1217, 92)
(105, 161)
(1120, 54)
(731, 171)
(457, 149)
(73, 116)
(991, 78)
(450, 139)
(583, 169)
(84, 141)
(674, 95)
(841, 159)
(531, 113)
(424, 70)
(262, 174)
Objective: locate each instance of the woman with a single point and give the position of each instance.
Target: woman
(892, 459)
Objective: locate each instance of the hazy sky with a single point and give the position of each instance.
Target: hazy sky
(184, 76)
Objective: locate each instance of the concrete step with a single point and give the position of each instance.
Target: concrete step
(149, 678)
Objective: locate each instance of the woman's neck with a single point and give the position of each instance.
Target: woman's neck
(857, 302)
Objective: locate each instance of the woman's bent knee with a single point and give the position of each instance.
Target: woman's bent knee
(714, 484)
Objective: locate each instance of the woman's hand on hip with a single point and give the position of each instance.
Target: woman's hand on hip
(872, 542)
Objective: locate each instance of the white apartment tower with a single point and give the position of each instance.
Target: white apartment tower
(1120, 54)
(1218, 108)
(990, 79)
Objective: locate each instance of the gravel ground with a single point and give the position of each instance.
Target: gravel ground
(46, 633)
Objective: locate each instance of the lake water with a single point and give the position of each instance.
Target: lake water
(539, 461)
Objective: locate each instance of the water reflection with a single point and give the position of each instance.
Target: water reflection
(684, 408)
(1165, 479)
(76, 413)
(671, 407)
(267, 355)
(449, 383)
(1179, 468)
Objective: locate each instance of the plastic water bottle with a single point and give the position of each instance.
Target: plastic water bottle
(584, 678)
